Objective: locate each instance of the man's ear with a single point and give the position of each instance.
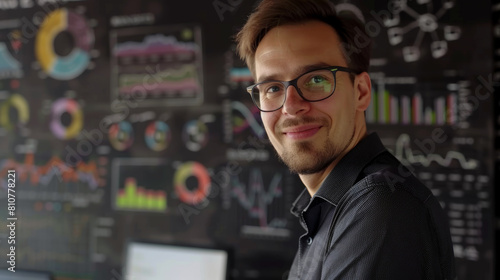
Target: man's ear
(363, 91)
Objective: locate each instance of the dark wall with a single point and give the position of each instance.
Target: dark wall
(128, 120)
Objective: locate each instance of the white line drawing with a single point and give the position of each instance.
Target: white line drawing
(427, 23)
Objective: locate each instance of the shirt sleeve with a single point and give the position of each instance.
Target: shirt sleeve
(381, 232)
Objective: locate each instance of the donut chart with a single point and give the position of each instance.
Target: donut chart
(195, 135)
(70, 106)
(121, 135)
(158, 136)
(17, 102)
(185, 171)
(72, 65)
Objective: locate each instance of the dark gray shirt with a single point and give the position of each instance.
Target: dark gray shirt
(372, 219)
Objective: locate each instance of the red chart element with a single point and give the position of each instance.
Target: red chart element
(185, 171)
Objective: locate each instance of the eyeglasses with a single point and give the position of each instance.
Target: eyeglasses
(312, 86)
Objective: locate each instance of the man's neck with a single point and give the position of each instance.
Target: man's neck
(313, 181)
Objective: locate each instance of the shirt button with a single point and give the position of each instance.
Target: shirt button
(309, 240)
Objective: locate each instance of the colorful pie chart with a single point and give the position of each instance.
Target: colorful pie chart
(121, 135)
(157, 136)
(70, 66)
(71, 107)
(198, 194)
(195, 135)
(18, 102)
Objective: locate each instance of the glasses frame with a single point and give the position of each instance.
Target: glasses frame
(293, 83)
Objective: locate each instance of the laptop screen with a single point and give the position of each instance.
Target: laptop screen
(161, 261)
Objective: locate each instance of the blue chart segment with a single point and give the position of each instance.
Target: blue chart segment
(241, 119)
(238, 75)
(162, 65)
(158, 136)
(9, 66)
(70, 66)
(249, 121)
(121, 135)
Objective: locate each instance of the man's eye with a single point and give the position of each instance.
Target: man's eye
(273, 89)
(317, 79)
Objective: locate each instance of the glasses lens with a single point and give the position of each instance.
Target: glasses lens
(317, 85)
(268, 96)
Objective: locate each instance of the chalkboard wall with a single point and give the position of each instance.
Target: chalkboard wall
(129, 119)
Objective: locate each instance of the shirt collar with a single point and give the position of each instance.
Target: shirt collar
(344, 175)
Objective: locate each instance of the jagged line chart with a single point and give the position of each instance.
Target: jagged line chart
(255, 199)
(155, 44)
(404, 153)
(54, 168)
(426, 23)
(162, 63)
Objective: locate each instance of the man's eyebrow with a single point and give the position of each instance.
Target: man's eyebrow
(299, 71)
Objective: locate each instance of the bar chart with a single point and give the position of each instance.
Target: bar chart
(387, 108)
(412, 101)
(132, 191)
(135, 197)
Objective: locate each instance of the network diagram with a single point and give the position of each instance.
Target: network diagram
(426, 23)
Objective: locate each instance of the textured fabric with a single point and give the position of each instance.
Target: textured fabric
(372, 219)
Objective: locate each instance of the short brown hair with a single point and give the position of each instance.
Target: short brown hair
(273, 13)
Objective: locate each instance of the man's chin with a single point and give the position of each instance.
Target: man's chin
(304, 165)
(307, 170)
(302, 158)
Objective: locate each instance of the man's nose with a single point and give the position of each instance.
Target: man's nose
(294, 103)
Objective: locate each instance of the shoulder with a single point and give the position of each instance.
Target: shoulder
(390, 213)
(390, 194)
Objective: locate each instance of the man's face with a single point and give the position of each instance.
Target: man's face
(308, 136)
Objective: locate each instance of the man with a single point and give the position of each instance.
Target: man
(365, 215)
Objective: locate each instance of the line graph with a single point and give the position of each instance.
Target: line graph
(250, 120)
(404, 152)
(239, 118)
(155, 44)
(163, 64)
(55, 168)
(261, 203)
(183, 80)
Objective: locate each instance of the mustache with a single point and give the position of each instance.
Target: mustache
(301, 121)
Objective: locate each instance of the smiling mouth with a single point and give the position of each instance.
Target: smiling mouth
(302, 132)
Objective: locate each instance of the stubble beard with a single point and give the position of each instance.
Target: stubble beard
(305, 158)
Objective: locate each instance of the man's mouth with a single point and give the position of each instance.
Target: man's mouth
(301, 132)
